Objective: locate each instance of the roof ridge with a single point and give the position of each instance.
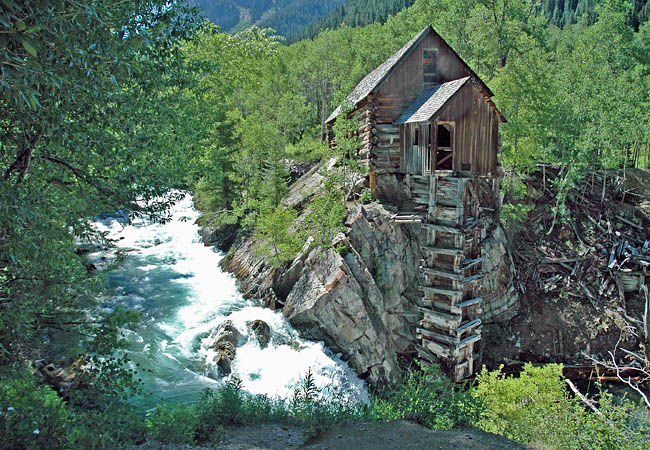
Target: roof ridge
(376, 77)
(379, 74)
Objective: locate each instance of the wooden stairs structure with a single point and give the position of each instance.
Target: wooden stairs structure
(447, 208)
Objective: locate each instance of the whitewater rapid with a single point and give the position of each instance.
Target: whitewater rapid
(176, 283)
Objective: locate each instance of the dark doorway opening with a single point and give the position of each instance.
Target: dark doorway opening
(444, 150)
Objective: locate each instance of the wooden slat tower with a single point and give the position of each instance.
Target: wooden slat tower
(448, 209)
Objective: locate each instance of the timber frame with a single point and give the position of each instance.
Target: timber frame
(429, 137)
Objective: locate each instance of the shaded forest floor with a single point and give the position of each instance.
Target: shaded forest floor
(580, 279)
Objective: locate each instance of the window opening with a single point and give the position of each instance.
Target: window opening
(429, 66)
(444, 152)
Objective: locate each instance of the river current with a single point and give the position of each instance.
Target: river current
(177, 285)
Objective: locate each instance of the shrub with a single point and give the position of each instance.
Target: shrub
(514, 217)
(514, 211)
(536, 408)
(278, 243)
(308, 150)
(428, 398)
(116, 425)
(327, 212)
(529, 408)
(315, 410)
(31, 416)
(366, 196)
(173, 424)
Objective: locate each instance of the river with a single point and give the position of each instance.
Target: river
(177, 285)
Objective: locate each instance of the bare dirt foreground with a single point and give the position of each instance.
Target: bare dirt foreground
(399, 435)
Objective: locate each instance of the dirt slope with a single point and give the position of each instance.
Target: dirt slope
(403, 435)
(399, 435)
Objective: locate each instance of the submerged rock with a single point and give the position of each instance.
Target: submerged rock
(261, 330)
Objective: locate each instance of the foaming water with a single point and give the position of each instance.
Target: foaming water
(176, 283)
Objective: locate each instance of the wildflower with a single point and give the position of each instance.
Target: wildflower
(36, 431)
(10, 408)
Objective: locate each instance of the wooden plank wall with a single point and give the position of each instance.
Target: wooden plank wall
(476, 133)
(402, 88)
(476, 130)
(365, 114)
(407, 80)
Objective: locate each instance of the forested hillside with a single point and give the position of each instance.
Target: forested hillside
(299, 19)
(566, 12)
(287, 17)
(355, 13)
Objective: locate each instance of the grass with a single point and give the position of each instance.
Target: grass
(534, 408)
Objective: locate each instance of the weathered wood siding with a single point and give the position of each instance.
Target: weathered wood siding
(407, 81)
(402, 87)
(475, 138)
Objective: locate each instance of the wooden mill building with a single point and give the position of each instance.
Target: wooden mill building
(430, 140)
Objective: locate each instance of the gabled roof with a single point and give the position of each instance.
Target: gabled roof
(375, 78)
(430, 101)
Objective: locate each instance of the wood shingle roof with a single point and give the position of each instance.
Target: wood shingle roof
(430, 101)
(374, 79)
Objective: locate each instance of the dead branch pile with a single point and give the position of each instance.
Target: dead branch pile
(600, 253)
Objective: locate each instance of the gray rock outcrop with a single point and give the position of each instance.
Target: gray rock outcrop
(361, 301)
(361, 304)
(261, 331)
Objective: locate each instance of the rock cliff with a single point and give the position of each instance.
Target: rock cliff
(362, 300)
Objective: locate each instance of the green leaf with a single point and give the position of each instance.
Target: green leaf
(10, 4)
(22, 95)
(30, 48)
(33, 29)
(20, 25)
(33, 101)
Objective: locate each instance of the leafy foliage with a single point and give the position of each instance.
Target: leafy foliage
(89, 124)
(521, 408)
(535, 408)
(278, 242)
(428, 398)
(514, 212)
(326, 213)
(173, 423)
(31, 416)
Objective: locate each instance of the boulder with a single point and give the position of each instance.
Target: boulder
(65, 379)
(223, 359)
(222, 236)
(361, 303)
(261, 330)
(227, 332)
(225, 346)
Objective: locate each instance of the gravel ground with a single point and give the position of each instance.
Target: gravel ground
(399, 435)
